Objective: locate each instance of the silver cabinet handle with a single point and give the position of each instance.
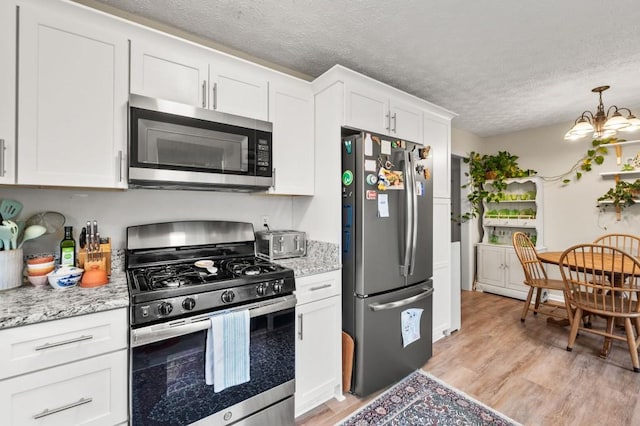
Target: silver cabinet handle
(215, 96)
(2, 149)
(204, 93)
(48, 412)
(300, 326)
(320, 287)
(64, 342)
(388, 117)
(120, 165)
(394, 116)
(398, 303)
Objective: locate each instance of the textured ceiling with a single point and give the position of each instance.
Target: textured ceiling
(502, 65)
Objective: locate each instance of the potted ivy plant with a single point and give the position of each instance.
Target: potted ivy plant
(622, 195)
(495, 168)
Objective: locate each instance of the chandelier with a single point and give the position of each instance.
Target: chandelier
(601, 124)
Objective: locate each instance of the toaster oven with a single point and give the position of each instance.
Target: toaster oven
(273, 245)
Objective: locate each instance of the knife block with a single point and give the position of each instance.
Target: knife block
(102, 258)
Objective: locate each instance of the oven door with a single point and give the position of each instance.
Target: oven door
(168, 380)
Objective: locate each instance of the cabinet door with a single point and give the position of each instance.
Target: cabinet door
(491, 265)
(165, 68)
(291, 111)
(72, 98)
(406, 121)
(318, 352)
(441, 268)
(366, 108)
(514, 274)
(238, 88)
(7, 92)
(88, 392)
(437, 135)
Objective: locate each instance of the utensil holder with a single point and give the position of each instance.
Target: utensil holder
(100, 258)
(11, 265)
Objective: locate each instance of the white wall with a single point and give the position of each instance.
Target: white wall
(463, 142)
(115, 210)
(571, 215)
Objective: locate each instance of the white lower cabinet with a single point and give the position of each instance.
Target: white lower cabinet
(66, 372)
(500, 271)
(87, 392)
(318, 340)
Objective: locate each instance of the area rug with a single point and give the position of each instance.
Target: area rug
(421, 399)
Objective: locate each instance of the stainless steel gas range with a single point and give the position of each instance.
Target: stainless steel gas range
(180, 276)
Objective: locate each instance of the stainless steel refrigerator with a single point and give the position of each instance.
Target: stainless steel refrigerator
(387, 222)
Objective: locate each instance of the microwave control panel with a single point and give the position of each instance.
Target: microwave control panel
(263, 157)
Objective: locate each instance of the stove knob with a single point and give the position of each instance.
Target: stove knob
(189, 303)
(261, 289)
(165, 308)
(228, 296)
(277, 287)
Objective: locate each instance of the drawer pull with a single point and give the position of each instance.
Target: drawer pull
(300, 318)
(64, 342)
(320, 287)
(48, 412)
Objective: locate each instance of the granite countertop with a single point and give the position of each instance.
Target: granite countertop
(321, 257)
(27, 304)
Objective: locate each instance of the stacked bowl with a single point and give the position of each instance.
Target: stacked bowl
(38, 268)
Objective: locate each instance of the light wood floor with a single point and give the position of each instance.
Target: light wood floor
(523, 370)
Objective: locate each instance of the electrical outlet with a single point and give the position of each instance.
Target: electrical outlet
(265, 220)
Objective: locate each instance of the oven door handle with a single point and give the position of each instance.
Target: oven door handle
(155, 333)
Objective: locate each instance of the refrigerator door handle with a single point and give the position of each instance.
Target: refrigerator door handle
(414, 212)
(428, 291)
(408, 226)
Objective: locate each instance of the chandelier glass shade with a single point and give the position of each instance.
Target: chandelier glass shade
(603, 124)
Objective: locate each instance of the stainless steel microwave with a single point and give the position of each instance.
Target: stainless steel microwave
(178, 146)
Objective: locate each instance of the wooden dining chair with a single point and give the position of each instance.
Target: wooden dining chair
(627, 242)
(604, 281)
(535, 276)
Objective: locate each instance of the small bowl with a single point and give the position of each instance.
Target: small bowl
(40, 260)
(64, 277)
(39, 267)
(40, 272)
(38, 281)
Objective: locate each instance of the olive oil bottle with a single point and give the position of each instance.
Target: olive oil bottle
(68, 248)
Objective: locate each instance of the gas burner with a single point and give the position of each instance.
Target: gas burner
(251, 270)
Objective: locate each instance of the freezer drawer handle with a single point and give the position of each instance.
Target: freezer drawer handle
(48, 412)
(398, 303)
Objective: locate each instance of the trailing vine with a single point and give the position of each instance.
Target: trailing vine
(594, 156)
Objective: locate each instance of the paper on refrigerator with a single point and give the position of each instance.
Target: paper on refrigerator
(410, 323)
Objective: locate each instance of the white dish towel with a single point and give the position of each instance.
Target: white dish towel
(227, 357)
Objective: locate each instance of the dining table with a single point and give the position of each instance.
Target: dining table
(613, 267)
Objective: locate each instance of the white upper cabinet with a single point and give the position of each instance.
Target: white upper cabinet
(238, 88)
(171, 70)
(437, 135)
(371, 108)
(72, 103)
(168, 68)
(7, 92)
(291, 111)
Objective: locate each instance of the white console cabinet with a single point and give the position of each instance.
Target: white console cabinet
(66, 372)
(318, 340)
